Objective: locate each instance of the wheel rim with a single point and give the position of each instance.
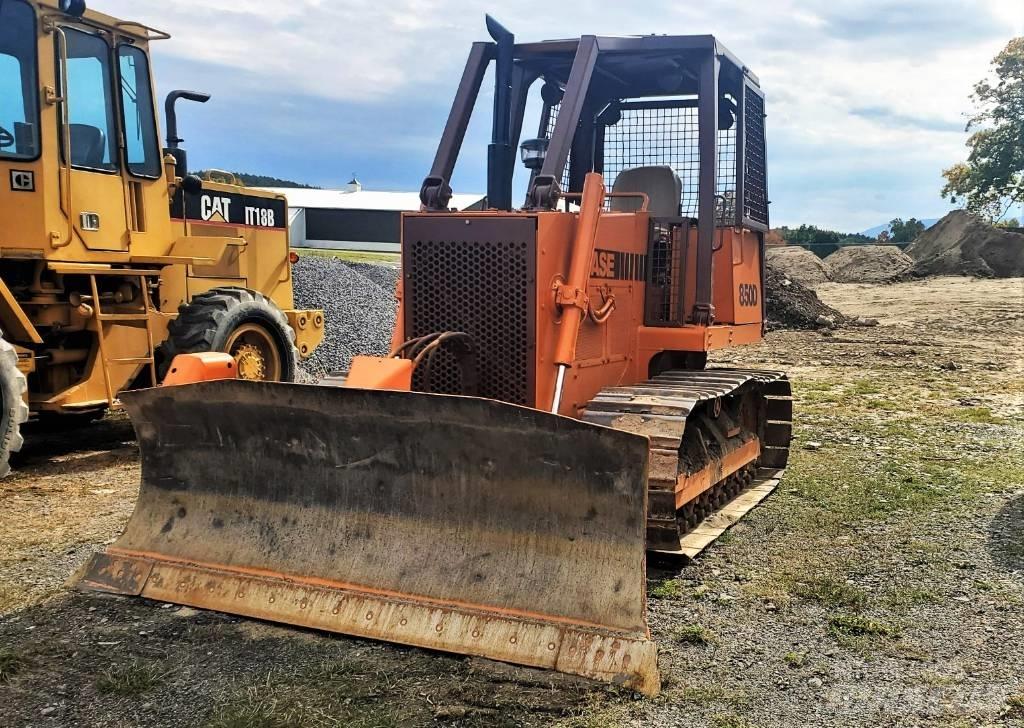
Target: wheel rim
(256, 354)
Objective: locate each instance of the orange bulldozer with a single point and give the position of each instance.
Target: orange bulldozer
(547, 417)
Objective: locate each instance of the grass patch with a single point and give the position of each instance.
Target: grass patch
(268, 706)
(911, 596)
(851, 625)
(936, 680)
(692, 634)
(668, 589)
(832, 593)
(795, 659)
(134, 678)
(976, 415)
(11, 663)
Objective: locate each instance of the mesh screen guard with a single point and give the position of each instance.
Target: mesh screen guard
(665, 133)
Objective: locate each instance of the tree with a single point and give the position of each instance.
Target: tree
(819, 241)
(991, 181)
(1010, 223)
(905, 232)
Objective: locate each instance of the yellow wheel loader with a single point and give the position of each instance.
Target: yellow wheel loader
(113, 259)
(547, 416)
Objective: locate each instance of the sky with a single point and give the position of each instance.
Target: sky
(867, 100)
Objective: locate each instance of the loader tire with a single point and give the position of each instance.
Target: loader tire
(13, 386)
(240, 322)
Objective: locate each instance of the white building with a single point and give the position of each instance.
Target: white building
(354, 218)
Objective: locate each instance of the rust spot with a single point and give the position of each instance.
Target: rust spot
(626, 661)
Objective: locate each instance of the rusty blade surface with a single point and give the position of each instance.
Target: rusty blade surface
(452, 523)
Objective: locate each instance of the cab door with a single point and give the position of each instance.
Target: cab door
(98, 205)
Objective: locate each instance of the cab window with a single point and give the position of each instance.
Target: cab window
(19, 106)
(141, 145)
(92, 130)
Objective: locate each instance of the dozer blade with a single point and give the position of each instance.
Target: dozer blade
(449, 523)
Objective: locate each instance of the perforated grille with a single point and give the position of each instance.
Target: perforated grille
(667, 135)
(755, 179)
(483, 287)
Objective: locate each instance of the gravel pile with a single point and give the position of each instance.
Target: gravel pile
(961, 244)
(358, 300)
(799, 264)
(791, 305)
(868, 264)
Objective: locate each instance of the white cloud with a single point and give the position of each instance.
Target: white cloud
(862, 85)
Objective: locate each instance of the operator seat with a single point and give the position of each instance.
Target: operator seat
(661, 184)
(88, 146)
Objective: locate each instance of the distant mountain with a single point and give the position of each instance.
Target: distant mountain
(260, 180)
(876, 231)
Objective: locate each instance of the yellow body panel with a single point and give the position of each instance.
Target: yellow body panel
(64, 229)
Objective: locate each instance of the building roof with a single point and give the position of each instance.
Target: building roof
(363, 199)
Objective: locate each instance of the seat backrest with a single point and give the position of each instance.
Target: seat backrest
(661, 185)
(87, 146)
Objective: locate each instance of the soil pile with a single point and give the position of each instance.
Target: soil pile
(868, 264)
(791, 305)
(799, 264)
(961, 244)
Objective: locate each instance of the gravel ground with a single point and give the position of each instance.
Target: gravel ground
(358, 300)
(882, 585)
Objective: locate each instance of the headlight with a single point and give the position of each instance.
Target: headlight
(75, 8)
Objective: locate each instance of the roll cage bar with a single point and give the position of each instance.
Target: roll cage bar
(591, 81)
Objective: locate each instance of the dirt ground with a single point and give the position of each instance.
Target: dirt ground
(882, 585)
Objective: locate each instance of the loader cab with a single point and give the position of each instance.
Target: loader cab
(80, 156)
(19, 74)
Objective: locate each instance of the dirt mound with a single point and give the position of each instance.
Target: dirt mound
(961, 244)
(791, 305)
(799, 264)
(868, 264)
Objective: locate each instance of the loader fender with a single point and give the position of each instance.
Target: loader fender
(451, 523)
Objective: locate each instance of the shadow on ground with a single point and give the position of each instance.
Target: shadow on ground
(96, 660)
(1006, 536)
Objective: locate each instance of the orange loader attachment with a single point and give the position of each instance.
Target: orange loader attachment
(445, 522)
